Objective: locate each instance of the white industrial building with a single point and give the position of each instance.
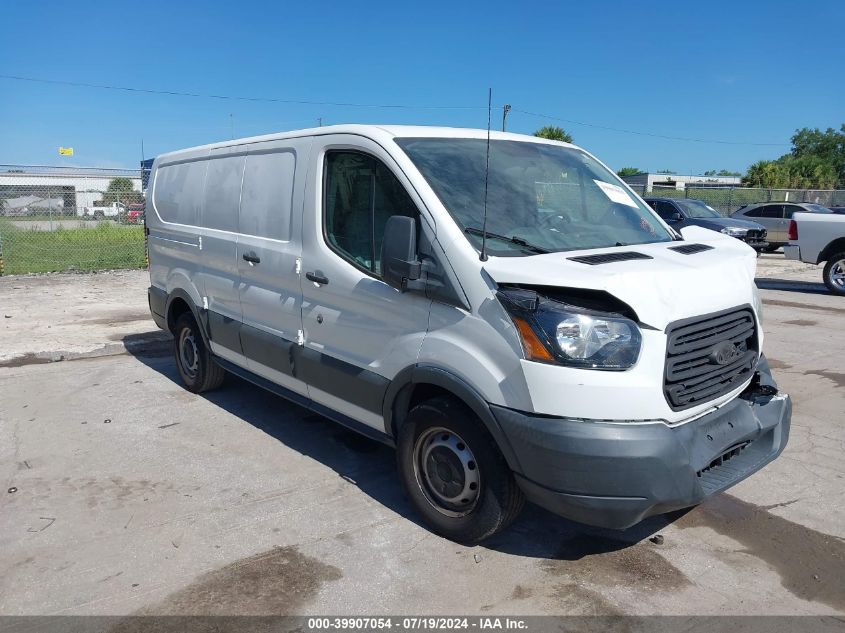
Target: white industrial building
(647, 181)
(62, 190)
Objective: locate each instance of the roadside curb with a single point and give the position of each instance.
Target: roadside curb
(148, 344)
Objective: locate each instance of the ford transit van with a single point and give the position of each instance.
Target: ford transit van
(505, 312)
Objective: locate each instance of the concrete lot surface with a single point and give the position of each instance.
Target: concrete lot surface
(57, 316)
(125, 494)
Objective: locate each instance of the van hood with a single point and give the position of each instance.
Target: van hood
(665, 288)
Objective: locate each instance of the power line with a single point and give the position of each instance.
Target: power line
(395, 106)
(176, 93)
(663, 136)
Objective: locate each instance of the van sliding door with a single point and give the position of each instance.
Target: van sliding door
(268, 250)
(219, 270)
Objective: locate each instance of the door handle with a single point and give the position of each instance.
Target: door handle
(252, 258)
(317, 278)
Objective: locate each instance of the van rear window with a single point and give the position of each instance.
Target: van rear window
(177, 192)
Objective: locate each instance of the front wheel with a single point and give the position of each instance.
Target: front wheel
(454, 473)
(196, 367)
(834, 274)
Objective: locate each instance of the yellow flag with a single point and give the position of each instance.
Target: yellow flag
(65, 151)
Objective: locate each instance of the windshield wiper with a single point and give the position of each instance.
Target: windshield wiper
(504, 238)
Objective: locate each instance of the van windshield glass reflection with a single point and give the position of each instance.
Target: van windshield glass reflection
(541, 198)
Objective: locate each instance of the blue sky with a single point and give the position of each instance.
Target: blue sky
(746, 72)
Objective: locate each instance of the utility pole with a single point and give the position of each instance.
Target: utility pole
(505, 109)
(232, 123)
(320, 121)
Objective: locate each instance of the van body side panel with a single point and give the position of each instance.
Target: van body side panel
(219, 270)
(270, 231)
(360, 325)
(174, 246)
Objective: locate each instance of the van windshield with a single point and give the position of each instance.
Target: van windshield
(541, 197)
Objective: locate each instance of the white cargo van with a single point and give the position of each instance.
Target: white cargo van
(582, 355)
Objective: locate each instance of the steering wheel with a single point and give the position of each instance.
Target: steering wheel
(550, 219)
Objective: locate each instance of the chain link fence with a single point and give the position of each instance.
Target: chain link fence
(79, 219)
(726, 200)
(85, 219)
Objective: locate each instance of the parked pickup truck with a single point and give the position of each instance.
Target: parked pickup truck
(114, 210)
(816, 238)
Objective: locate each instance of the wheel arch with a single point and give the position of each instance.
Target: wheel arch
(422, 382)
(179, 302)
(836, 246)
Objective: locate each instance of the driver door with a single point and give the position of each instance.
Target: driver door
(359, 331)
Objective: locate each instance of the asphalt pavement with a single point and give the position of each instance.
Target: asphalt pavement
(123, 493)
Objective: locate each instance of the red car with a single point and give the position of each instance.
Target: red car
(135, 214)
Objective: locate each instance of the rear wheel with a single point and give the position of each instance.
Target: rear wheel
(834, 274)
(454, 473)
(197, 368)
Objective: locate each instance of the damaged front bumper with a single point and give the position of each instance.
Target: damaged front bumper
(614, 474)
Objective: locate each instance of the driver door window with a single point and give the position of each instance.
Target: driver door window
(360, 194)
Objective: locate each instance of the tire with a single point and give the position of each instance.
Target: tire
(442, 432)
(834, 274)
(98, 215)
(771, 248)
(196, 367)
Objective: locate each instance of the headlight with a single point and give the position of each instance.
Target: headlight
(734, 231)
(555, 332)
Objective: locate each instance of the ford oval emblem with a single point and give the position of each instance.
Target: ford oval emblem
(724, 353)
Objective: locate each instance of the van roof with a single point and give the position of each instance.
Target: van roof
(375, 132)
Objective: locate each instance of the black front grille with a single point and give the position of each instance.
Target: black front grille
(607, 258)
(709, 356)
(755, 234)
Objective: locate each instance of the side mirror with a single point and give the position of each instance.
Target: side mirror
(399, 263)
(676, 217)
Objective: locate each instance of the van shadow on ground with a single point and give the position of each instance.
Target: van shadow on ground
(371, 466)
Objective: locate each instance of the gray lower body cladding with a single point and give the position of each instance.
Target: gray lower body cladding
(616, 474)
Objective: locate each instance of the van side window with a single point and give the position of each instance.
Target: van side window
(222, 192)
(267, 195)
(177, 191)
(360, 194)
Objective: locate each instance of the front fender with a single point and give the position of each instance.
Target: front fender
(398, 395)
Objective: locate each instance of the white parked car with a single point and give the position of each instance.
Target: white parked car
(820, 238)
(114, 210)
(532, 330)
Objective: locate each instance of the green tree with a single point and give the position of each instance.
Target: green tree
(765, 173)
(817, 160)
(628, 171)
(121, 189)
(554, 133)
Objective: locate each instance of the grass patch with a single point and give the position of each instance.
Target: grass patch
(102, 246)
